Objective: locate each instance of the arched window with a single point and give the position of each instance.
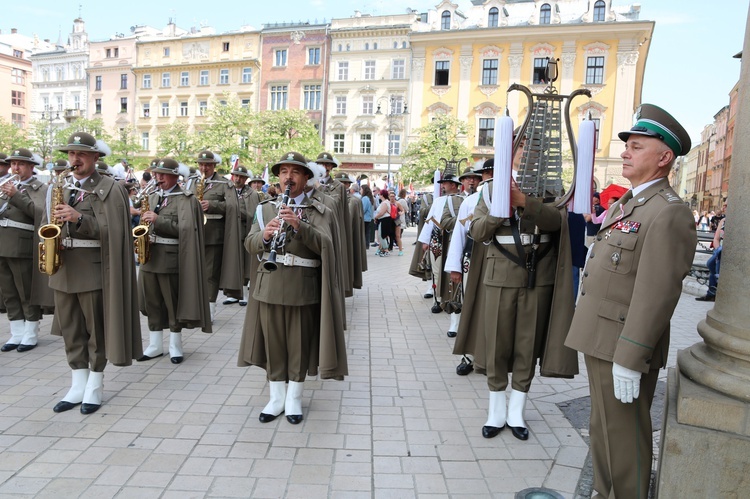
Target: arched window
(367, 46)
(395, 45)
(375, 46)
(599, 9)
(403, 45)
(492, 19)
(341, 47)
(545, 14)
(445, 20)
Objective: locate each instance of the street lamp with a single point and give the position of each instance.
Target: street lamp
(391, 115)
(47, 143)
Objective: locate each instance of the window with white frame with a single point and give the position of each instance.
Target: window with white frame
(280, 59)
(445, 20)
(166, 79)
(369, 70)
(597, 125)
(343, 70)
(442, 73)
(166, 51)
(493, 17)
(313, 56)
(397, 104)
(545, 14)
(146, 81)
(77, 102)
(341, 104)
(97, 106)
(164, 109)
(489, 71)
(146, 109)
(183, 108)
(184, 79)
(368, 102)
(338, 143)
(123, 104)
(202, 107)
(394, 143)
(595, 70)
(599, 10)
(398, 69)
(311, 97)
(123, 81)
(279, 94)
(247, 75)
(59, 99)
(245, 103)
(18, 76)
(223, 77)
(203, 78)
(144, 141)
(365, 143)
(486, 135)
(540, 66)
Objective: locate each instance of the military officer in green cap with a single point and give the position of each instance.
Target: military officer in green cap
(631, 284)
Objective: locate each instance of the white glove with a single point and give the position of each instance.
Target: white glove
(627, 383)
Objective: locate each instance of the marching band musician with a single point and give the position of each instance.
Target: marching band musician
(24, 290)
(96, 307)
(416, 268)
(357, 224)
(248, 198)
(222, 231)
(469, 180)
(4, 168)
(524, 320)
(256, 183)
(172, 284)
(294, 323)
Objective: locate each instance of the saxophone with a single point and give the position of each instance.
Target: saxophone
(200, 189)
(49, 247)
(142, 243)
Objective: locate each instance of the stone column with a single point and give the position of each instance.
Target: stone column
(706, 434)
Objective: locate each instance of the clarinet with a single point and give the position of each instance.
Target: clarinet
(270, 264)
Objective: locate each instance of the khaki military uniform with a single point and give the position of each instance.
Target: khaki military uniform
(415, 267)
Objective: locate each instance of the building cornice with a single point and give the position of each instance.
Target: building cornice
(199, 65)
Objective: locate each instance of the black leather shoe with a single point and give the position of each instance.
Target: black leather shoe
(230, 301)
(176, 360)
(700, 298)
(465, 367)
(8, 347)
(427, 295)
(436, 309)
(452, 334)
(491, 431)
(144, 358)
(267, 418)
(243, 303)
(63, 406)
(294, 418)
(89, 408)
(519, 432)
(25, 348)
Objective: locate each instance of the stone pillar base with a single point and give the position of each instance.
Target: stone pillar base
(695, 460)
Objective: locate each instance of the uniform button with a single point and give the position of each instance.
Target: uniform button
(592, 255)
(648, 361)
(619, 243)
(583, 293)
(622, 317)
(585, 274)
(598, 238)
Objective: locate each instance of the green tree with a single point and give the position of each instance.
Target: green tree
(227, 128)
(94, 127)
(438, 139)
(11, 136)
(176, 141)
(277, 132)
(125, 143)
(43, 139)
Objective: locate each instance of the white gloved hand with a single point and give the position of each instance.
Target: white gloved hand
(627, 383)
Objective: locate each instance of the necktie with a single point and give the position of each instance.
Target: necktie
(74, 193)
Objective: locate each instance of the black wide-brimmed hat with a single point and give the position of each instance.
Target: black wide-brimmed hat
(292, 158)
(3, 158)
(60, 165)
(257, 178)
(343, 178)
(241, 171)
(23, 154)
(207, 156)
(326, 157)
(449, 177)
(103, 168)
(469, 172)
(82, 141)
(168, 166)
(653, 121)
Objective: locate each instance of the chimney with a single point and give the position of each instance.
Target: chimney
(13, 31)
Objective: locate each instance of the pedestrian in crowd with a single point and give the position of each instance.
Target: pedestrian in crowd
(703, 221)
(697, 217)
(714, 262)
(399, 221)
(592, 227)
(386, 224)
(368, 207)
(24, 289)
(714, 223)
(294, 326)
(172, 282)
(145, 179)
(96, 302)
(631, 285)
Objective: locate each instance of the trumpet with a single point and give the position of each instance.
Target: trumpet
(271, 264)
(14, 179)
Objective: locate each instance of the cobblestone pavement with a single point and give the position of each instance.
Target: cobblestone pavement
(402, 424)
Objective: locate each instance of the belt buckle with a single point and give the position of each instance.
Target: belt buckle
(67, 243)
(290, 260)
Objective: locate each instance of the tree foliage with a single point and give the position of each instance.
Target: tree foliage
(227, 128)
(125, 143)
(277, 132)
(177, 142)
(11, 136)
(438, 139)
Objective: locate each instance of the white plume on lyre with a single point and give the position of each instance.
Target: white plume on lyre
(184, 170)
(319, 173)
(103, 148)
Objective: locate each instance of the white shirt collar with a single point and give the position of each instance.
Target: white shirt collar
(644, 186)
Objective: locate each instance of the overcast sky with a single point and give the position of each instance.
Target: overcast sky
(689, 72)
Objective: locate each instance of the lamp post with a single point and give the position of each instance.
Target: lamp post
(46, 143)
(391, 115)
